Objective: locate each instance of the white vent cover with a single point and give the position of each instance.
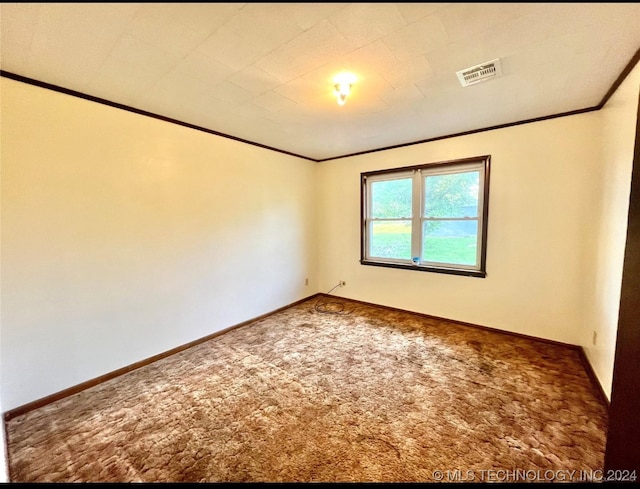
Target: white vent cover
(480, 73)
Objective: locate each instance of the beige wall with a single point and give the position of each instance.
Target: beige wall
(125, 236)
(540, 210)
(609, 225)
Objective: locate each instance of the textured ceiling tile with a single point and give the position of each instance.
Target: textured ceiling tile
(251, 111)
(264, 25)
(531, 57)
(462, 21)
(409, 71)
(536, 27)
(201, 67)
(372, 106)
(18, 23)
(296, 90)
(264, 133)
(73, 41)
(225, 122)
(555, 102)
(171, 36)
(457, 56)
(72, 73)
(132, 67)
(402, 96)
(229, 48)
(254, 79)
(576, 48)
(299, 118)
(625, 37)
(153, 16)
(364, 23)
(412, 12)
(446, 85)
(206, 15)
(300, 89)
(594, 87)
(274, 102)
(112, 86)
(560, 15)
(511, 37)
(14, 58)
(623, 14)
(187, 106)
(421, 37)
(59, 69)
(306, 15)
(375, 56)
(582, 41)
(231, 93)
(139, 58)
(181, 86)
(159, 100)
(102, 20)
(315, 47)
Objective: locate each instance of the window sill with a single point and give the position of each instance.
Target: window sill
(418, 268)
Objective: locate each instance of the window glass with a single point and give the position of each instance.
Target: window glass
(391, 198)
(454, 242)
(453, 195)
(391, 239)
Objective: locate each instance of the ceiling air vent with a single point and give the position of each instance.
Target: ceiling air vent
(480, 73)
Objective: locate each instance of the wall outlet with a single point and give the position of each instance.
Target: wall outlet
(595, 337)
(342, 283)
(306, 281)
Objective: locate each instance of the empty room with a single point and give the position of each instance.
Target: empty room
(319, 242)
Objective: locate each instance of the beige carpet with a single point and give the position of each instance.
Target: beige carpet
(372, 395)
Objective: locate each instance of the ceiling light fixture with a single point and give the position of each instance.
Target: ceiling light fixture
(342, 85)
(342, 92)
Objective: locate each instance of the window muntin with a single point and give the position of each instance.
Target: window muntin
(430, 217)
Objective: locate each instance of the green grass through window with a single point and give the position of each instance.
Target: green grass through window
(392, 240)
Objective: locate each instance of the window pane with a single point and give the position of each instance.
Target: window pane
(452, 195)
(390, 240)
(391, 198)
(450, 242)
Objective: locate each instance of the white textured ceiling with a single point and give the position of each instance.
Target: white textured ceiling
(263, 72)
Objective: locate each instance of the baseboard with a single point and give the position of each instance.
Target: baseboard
(462, 323)
(594, 378)
(25, 408)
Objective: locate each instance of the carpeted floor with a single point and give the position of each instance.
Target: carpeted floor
(372, 395)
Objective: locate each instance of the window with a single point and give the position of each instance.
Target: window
(429, 217)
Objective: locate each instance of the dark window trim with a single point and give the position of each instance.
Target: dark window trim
(482, 272)
(450, 271)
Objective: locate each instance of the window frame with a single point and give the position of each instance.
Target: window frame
(417, 218)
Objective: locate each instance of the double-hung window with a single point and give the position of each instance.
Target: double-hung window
(429, 217)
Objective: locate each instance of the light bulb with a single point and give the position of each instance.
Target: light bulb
(343, 89)
(342, 84)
